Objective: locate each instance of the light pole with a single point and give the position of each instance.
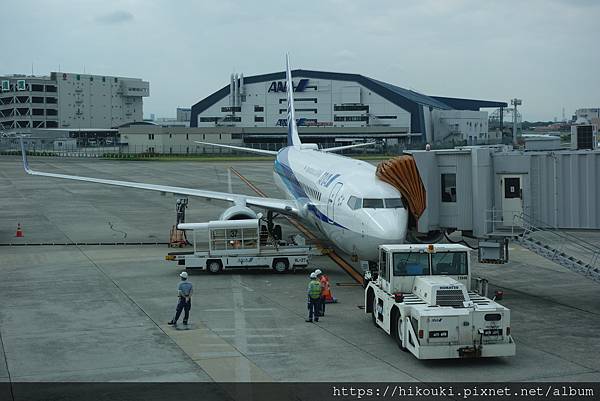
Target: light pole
(515, 102)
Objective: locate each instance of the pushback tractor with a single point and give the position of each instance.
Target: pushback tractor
(421, 296)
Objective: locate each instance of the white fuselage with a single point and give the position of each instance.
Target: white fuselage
(322, 185)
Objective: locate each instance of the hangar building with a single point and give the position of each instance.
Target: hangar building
(353, 102)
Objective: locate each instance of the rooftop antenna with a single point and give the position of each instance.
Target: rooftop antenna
(515, 102)
(32, 69)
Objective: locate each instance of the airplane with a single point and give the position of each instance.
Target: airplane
(339, 196)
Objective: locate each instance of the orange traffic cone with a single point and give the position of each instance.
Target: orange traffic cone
(19, 231)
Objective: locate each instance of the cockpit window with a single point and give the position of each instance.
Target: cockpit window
(354, 203)
(393, 203)
(372, 203)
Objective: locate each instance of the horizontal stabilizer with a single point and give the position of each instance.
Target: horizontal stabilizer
(251, 150)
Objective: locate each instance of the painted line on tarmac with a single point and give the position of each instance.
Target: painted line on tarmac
(332, 254)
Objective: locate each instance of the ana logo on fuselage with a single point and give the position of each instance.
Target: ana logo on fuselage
(281, 86)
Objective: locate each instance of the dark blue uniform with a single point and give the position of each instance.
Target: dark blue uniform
(185, 290)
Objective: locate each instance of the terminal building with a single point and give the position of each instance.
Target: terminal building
(69, 100)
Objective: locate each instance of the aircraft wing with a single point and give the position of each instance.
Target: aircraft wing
(336, 148)
(279, 205)
(251, 150)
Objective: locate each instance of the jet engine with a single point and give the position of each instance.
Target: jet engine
(238, 212)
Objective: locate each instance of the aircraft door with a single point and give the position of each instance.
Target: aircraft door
(331, 201)
(511, 191)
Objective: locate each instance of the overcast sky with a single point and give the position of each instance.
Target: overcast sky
(546, 52)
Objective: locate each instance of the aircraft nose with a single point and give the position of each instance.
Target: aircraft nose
(390, 226)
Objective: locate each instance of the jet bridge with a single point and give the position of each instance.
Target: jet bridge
(495, 192)
(483, 190)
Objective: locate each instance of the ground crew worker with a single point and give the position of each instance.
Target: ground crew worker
(184, 292)
(314, 298)
(324, 285)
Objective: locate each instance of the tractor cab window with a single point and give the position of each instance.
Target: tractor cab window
(411, 264)
(449, 263)
(383, 264)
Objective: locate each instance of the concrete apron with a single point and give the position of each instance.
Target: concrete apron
(219, 359)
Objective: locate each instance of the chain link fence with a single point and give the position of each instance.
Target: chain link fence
(128, 151)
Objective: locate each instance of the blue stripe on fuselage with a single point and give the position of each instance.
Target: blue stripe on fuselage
(286, 174)
(331, 180)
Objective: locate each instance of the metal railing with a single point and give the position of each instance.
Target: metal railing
(496, 224)
(558, 245)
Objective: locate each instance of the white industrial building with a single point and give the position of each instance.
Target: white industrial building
(587, 114)
(70, 101)
(336, 100)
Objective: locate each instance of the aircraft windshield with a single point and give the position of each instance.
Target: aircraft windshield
(372, 203)
(449, 263)
(375, 203)
(411, 264)
(393, 203)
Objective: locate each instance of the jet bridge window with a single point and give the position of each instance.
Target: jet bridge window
(449, 263)
(411, 264)
(449, 187)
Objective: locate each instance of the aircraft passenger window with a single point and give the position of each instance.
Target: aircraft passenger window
(354, 202)
(411, 264)
(393, 203)
(372, 203)
(449, 263)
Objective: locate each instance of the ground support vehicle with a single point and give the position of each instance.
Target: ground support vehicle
(420, 295)
(235, 244)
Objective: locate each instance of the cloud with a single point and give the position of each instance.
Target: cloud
(116, 17)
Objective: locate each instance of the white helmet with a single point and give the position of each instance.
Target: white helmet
(183, 275)
(318, 271)
(313, 275)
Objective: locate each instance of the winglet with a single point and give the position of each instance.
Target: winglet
(24, 154)
(293, 139)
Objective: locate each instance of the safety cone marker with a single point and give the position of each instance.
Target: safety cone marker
(19, 231)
